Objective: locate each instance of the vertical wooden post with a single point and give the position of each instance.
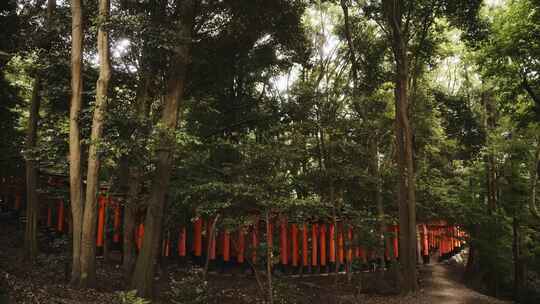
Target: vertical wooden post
(341, 245)
(166, 245)
(283, 242)
(425, 242)
(305, 261)
(241, 246)
(322, 243)
(101, 221)
(117, 221)
(60, 216)
(332, 244)
(182, 242)
(314, 247)
(17, 201)
(226, 246)
(254, 242)
(197, 237)
(386, 244)
(443, 241)
(49, 216)
(430, 233)
(350, 248)
(396, 241)
(294, 241)
(363, 254)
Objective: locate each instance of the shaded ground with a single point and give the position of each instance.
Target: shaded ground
(443, 285)
(45, 282)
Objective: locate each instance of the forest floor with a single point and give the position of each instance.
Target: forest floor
(443, 285)
(45, 282)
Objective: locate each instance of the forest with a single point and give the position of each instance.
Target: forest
(269, 151)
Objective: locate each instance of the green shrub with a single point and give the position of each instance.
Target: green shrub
(130, 297)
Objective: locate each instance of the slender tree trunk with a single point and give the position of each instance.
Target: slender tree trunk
(209, 246)
(489, 125)
(406, 176)
(535, 169)
(144, 270)
(88, 250)
(373, 145)
(374, 168)
(130, 213)
(30, 237)
(128, 245)
(520, 276)
(75, 180)
(106, 240)
(491, 180)
(135, 179)
(32, 204)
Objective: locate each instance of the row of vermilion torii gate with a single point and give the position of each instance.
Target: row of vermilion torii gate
(305, 244)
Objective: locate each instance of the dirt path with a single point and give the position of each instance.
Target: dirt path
(442, 285)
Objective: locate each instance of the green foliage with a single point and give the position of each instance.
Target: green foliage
(130, 297)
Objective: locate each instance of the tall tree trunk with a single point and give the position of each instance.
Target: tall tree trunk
(130, 213)
(135, 171)
(32, 204)
(374, 168)
(75, 180)
(30, 236)
(145, 267)
(406, 177)
(135, 179)
(88, 250)
(128, 244)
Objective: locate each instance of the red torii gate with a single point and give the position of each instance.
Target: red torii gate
(300, 244)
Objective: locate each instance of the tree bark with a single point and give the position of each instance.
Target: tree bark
(374, 168)
(88, 250)
(135, 171)
(145, 267)
(535, 168)
(489, 125)
(130, 213)
(520, 276)
(32, 174)
(75, 180)
(135, 179)
(406, 177)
